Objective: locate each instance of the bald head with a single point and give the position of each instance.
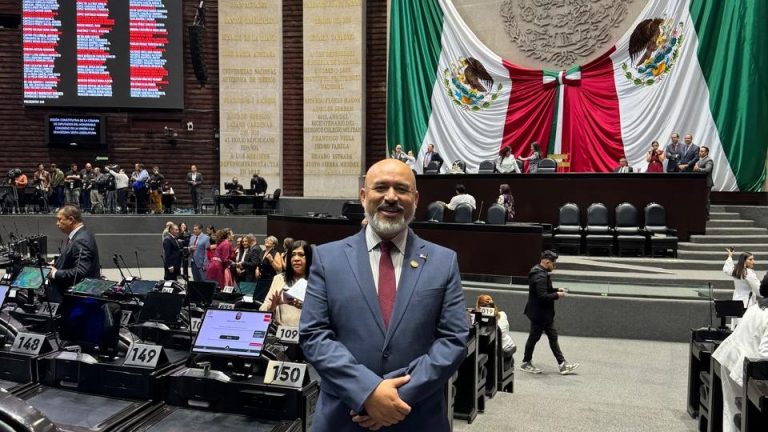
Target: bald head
(389, 197)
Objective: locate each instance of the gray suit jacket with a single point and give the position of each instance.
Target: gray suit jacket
(343, 336)
(199, 255)
(706, 165)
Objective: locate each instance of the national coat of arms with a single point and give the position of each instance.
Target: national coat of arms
(654, 48)
(469, 85)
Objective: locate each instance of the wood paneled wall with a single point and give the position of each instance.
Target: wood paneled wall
(137, 135)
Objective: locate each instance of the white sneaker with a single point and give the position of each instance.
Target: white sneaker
(568, 368)
(530, 368)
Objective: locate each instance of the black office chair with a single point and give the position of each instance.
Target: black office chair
(598, 233)
(629, 236)
(435, 212)
(463, 213)
(353, 210)
(432, 168)
(661, 238)
(547, 165)
(487, 167)
(270, 204)
(497, 214)
(568, 232)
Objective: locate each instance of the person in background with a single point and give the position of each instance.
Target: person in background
(198, 249)
(171, 253)
(748, 340)
(688, 155)
(540, 309)
(168, 197)
(533, 158)
(219, 264)
(98, 188)
(746, 285)
(184, 238)
(410, 160)
(139, 179)
(247, 267)
(507, 163)
(507, 200)
(42, 182)
(507, 343)
(122, 183)
(20, 181)
(672, 153)
(399, 154)
(432, 156)
(655, 159)
(623, 167)
(705, 165)
(57, 183)
(284, 250)
(258, 184)
(211, 231)
(271, 265)
(155, 193)
(461, 197)
(194, 180)
(79, 257)
(287, 309)
(86, 175)
(73, 185)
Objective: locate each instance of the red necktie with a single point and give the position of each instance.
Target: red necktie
(386, 282)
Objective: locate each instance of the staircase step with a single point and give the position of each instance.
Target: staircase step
(652, 265)
(697, 280)
(730, 239)
(720, 247)
(717, 209)
(726, 223)
(736, 231)
(724, 215)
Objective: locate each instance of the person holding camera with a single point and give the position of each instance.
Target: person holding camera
(655, 159)
(73, 184)
(540, 309)
(98, 189)
(746, 285)
(42, 182)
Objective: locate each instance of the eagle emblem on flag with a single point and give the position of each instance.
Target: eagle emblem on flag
(469, 85)
(654, 48)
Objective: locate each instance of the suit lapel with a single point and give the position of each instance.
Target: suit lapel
(409, 276)
(357, 254)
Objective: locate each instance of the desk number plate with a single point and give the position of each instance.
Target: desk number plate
(168, 290)
(288, 334)
(285, 374)
(194, 324)
(143, 355)
(125, 317)
(487, 311)
(48, 309)
(228, 289)
(28, 343)
(228, 306)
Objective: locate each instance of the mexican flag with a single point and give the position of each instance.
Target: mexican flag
(685, 66)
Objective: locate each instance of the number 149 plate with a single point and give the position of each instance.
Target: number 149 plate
(143, 355)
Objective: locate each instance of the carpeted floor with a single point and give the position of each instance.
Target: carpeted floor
(622, 385)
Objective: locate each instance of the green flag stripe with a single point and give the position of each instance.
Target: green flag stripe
(414, 52)
(733, 37)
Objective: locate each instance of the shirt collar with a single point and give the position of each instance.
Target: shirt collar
(74, 231)
(372, 239)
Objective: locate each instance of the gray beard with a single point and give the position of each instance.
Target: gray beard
(386, 228)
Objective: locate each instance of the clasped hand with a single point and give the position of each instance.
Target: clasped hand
(384, 406)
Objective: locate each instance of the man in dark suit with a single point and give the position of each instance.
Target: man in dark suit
(258, 184)
(431, 155)
(383, 321)
(540, 309)
(689, 155)
(623, 167)
(705, 164)
(79, 257)
(198, 245)
(171, 254)
(673, 151)
(194, 180)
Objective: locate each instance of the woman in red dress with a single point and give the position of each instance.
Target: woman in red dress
(222, 257)
(655, 157)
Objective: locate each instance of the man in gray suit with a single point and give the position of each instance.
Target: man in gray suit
(198, 245)
(383, 321)
(194, 180)
(673, 153)
(705, 165)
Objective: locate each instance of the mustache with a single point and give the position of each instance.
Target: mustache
(390, 207)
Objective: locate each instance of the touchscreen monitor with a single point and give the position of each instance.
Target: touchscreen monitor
(232, 332)
(30, 278)
(162, 307)
(142, 287)
(94, 287)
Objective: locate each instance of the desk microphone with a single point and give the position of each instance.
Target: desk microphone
(125, 265)
(479, 219)
(136, 253)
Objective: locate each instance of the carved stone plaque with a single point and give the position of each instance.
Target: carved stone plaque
(561, 32)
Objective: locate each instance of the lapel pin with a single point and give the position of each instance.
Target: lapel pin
(414, 263)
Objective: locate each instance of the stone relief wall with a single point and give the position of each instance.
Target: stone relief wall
(549, 34)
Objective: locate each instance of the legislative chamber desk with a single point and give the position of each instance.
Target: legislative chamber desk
(539, 196)
(504, 250)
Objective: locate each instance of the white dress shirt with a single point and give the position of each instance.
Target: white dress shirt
(460, 199)
(372, 241)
